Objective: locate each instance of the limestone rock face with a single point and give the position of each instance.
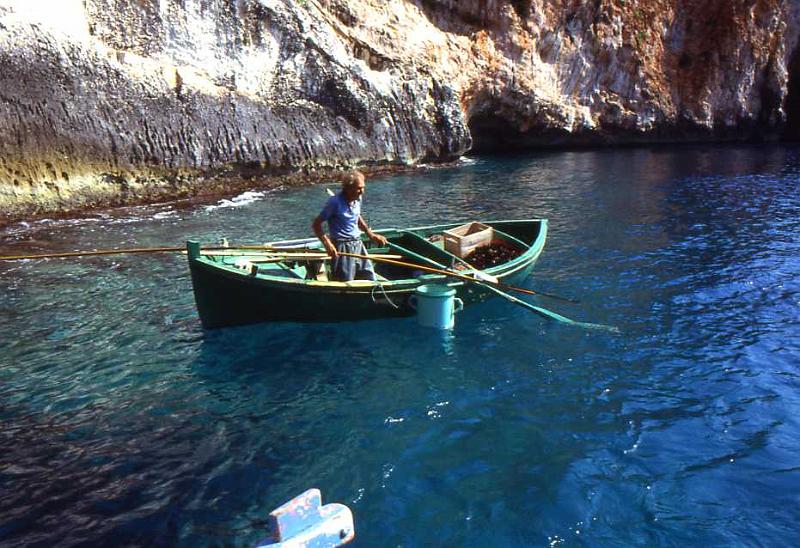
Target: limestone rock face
(122, 101)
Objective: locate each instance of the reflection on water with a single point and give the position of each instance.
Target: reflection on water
(124, 423)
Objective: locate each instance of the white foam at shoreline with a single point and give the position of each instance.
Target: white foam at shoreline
(243, 199)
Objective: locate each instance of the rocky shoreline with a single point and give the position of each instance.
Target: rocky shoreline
(121, 102)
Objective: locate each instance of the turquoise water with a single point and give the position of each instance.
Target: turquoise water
(123, 423)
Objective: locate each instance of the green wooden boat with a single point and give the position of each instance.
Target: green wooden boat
(238, 286)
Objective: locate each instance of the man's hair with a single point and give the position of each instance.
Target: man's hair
(352, 178)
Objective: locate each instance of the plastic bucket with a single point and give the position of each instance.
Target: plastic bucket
(436, 305)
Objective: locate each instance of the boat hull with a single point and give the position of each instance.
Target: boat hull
(226, 297)
(223, 302)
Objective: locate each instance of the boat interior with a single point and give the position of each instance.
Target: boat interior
(425, 246)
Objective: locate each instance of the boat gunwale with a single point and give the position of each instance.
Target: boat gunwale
(403, 285)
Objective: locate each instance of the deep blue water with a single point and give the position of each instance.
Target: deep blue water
(123, 423)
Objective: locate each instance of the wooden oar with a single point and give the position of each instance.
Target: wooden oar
(492, 286)
(266, 248)
(549, 314)
(491, 278)
(290, 255)
(278, 258)
(92, 253)
(480, 274)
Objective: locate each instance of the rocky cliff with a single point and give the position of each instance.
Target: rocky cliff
(122, 101)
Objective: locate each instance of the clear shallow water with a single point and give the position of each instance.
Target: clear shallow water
(124, 423)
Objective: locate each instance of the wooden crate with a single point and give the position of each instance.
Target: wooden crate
(463, 240)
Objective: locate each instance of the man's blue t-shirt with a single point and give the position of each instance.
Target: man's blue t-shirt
(342, 217)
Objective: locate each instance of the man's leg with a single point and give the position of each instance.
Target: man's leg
(364, 268)
(343, 269)
(315, 270)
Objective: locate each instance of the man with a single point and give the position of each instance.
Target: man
(345, 223)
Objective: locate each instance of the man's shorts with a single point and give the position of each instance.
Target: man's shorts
(344, 269)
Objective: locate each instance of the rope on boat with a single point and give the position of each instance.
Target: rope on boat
(385, 295)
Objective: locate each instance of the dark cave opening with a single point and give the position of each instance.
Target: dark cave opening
(522, 7)
(791, 131)
(492, 134)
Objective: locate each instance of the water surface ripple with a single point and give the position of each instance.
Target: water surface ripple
(123, 423)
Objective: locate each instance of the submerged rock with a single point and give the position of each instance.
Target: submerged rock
(123, 101)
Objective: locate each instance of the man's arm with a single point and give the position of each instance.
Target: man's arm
(377, 238)
(324, 238)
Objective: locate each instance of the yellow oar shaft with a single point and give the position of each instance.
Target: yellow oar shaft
(90, 253)
(290, 256)
(289, 252)
(454, 274)
(416, 266)
(494, 287)
(152, 250)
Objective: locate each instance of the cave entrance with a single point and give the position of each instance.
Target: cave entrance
(792, 130)
(492, 134)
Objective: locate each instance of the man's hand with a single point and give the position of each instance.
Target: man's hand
(316, 226)
(377, 238)
(330, 248)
